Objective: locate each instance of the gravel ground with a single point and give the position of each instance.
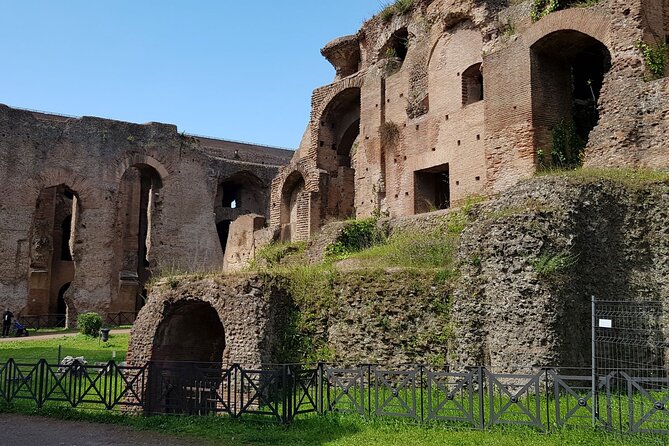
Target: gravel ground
(24, 430)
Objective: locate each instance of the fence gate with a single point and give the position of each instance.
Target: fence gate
(629, 354)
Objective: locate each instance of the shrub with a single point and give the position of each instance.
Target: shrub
(655, 57)
(89, 323)
(356, 236)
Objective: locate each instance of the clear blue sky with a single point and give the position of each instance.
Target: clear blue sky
(236, 70)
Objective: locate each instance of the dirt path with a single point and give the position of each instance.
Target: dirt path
(55, 335)
(24, 430)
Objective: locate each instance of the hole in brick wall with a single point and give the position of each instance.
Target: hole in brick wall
(447, 117)
(432, 189)
(401, 95)
(478, 137)
(472, 85)
(478, 178)
(321, 143)
(569, 68)
(406, 193)
(405, 124)
(388, 100)
(417, 127)
(397, 195)
(458, 142)
(377, 105)
(515, 107)
(405, 158)
(434, 149)
(457, 183)
(396, 48)
(394, 160)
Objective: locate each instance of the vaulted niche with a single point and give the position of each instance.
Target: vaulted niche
(472, 85)
(338, 140)
(397, 46)
(139, 207)
(432, 189)
(238, 194)
(568, 69)
(294, 204)
(52, 265)
(187, 357)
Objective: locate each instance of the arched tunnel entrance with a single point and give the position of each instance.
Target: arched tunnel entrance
(568, 69)
(185, 374)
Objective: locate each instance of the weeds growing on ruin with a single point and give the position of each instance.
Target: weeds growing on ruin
(398, 7)
(541, 8)
(655, 57)
(389, 132)
(549, 263)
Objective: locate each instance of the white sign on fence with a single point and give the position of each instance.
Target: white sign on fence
(605, 323)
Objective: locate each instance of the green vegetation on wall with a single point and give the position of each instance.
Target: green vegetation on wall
(398, 7)
(655, 57)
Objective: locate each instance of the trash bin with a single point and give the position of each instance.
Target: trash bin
(104, 334)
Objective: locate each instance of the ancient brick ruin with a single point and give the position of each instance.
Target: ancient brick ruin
(91, 208)
(458, 98)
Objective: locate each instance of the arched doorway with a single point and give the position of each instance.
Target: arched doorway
(61, 306)
(52, 257)
(338, 142)
(294, 206)
(138, 209)
(187, 357)
(568, 69)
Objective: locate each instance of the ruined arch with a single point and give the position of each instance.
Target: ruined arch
(138, 210)
(396, 47)
(567, 71)
(191, 330)
(338, 136)
(293, 207)
(53, 259)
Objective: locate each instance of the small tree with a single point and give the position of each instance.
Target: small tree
(89, 323)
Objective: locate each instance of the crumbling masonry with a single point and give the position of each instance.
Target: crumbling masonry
(455, 98)
(91, 208)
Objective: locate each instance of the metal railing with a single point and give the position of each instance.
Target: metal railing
(478, 398)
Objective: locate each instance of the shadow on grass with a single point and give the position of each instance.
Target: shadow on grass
(311, 430)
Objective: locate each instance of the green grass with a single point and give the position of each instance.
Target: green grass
(633, 178)
(341, 430)
(91, 349)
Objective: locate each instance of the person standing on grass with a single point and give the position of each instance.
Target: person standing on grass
(6, 323)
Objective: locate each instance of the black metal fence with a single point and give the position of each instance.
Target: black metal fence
(476, 398)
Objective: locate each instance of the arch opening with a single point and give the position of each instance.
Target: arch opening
(293, 200)
(338, 140)
(61, 306)
(568, 69)
(52, 254)
(472, 85)
(187, 358)
(190, 331)
(138, 208)
(396, 48)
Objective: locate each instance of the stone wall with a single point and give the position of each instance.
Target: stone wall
(610, 240)
(141, 198)
(241, 304)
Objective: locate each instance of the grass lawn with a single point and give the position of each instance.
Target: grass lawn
(32, 350)
(342, 430)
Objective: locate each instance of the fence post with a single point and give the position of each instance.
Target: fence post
(40, 384)
(548, 407)
(421, 394)
(286, 394)
(481, 373)
(595, 389)
(319, 389)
